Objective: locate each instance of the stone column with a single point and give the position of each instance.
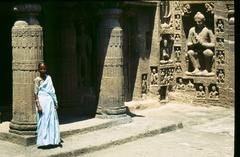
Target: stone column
(27, 51)
(111, 96)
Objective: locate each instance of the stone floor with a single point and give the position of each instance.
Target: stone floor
(154, 131)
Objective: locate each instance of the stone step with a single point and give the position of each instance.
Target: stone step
(68, 129)
(80, 144)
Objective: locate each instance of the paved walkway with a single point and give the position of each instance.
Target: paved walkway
(205, 130)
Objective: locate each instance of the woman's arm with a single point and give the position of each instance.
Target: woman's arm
(37, 104)
(36, 96)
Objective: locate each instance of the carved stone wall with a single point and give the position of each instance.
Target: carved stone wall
(219, 17)
(223, 58)
(145, 22)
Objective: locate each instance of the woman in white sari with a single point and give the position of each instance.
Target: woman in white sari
(46, 104)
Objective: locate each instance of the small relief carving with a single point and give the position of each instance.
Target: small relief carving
(220, 76)
(186, 9)
(220, 26)
(177, 5)
(220, 43)
(178, 25)
(190, 85)
(209, 7)
(144, 84)
(165, 12)
(171, 71)
(180, 85)
(166, 49)
(177, 17)
(213, 92)
(177, 51)
(177, 37)
(220, 57)
(200, 93)
(166, 76)
(154, 76)
(178, 68)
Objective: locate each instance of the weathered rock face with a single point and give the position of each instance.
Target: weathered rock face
(27, 48)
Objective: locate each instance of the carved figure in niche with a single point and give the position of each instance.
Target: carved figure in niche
(177, 53)
(166, 79)
(200, 92)
(171, 75)
(177, 16)
(84, 53)
(177, 5)
(201, 42)
(166, 50)
(213, 93)
(220, 42)
(144, 84)
(209, 7)
(166, 12)
(162, 74)
(220, 59)
(220, 25)
(220, 76)
(177, 37)
(178, 68)
(180, 85)
(186, 9)
(190, 85)
(154, 77)
(178, 25)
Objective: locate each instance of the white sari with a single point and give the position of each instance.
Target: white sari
(48, 132)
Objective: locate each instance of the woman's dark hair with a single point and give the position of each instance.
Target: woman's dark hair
(40, 63)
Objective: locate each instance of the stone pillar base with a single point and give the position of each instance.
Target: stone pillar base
(111, 112)
(21, 128)
(111, 116)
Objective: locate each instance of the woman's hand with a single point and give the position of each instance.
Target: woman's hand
(39, 109)
(56, 106)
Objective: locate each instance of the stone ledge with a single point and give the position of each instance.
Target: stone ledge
(73, 146)
(80, 127)
(18, 139)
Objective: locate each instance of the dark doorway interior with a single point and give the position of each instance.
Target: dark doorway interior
(7, 18)
(75, 82)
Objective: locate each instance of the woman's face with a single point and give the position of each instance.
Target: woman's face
(42, 69)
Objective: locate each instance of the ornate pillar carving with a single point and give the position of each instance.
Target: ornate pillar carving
(27, 51)
(111, 96)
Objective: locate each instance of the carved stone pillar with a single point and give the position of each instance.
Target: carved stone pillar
(27, 51)
(111, 96)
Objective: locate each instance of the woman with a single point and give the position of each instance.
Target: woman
(46, 104)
